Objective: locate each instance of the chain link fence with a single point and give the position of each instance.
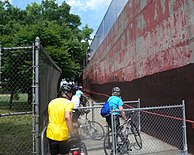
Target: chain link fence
(94, 115)
(91, 126)
(16, 100)
(114, 10)
(28, 81)
(162, 131)
(49, 74)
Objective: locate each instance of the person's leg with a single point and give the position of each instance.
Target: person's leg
(63, 148)
(117, 121)
(53, 147)
(108, 120)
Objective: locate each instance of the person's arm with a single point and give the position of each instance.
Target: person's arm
(69, 122)
(122, 113)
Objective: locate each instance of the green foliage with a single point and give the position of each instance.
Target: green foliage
(57, 28)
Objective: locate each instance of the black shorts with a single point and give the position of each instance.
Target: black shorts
(116, 120)
(59, 147)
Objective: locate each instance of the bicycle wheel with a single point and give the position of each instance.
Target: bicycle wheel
(108, 143)
(121, 145)
(95, 130)
(83, 149)
(137, 136)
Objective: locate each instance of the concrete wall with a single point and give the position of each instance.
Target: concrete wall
(150, 36)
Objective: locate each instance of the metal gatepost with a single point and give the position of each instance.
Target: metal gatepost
(185, 148)
(37, 111)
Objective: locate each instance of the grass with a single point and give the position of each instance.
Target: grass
(19, 104)
(15, 131)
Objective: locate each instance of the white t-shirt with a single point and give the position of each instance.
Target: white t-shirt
(79, 93)
(76, 98)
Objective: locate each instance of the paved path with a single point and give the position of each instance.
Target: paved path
(151, 146)
(96, 152)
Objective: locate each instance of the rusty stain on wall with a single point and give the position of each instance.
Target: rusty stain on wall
(147, 38)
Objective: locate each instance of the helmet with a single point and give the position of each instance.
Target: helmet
(116, 90)
(80, 87)
(75, 87)
(65, 88)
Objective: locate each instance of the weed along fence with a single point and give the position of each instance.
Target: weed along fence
(25, 73)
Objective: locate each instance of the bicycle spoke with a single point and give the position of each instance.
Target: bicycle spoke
(108, 143)
(138, 144)
(96, 131)
(122, 144)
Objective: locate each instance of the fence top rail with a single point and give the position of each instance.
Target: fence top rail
(88, 107)
(16, 113)
(135, 109)
(151, 108)
(16, 48)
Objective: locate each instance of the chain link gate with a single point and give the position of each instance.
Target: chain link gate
(16, 97)
(163, 131)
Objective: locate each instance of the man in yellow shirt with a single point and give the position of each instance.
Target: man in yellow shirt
(60, 126)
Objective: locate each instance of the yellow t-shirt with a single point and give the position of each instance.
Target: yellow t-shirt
(57, 127)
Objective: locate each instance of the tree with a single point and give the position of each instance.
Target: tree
(58, 30)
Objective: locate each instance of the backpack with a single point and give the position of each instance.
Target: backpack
(105, 110)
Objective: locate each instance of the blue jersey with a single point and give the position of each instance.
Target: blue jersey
(115, 102)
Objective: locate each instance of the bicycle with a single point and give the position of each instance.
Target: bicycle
(84, 102)
(91, 128)
(77, 147)
(123, 140)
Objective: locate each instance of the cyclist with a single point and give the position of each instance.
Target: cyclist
(117, 104)
(60, 125)
(76, 100)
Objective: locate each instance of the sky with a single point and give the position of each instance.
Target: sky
(91, 12)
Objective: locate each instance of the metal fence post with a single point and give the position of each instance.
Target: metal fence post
(92, 104)
(0, 63)
(139, 123)
(37, 110)
(185, 148)
(33, 99)
(113, 130)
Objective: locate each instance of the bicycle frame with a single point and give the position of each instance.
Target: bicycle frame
(92, 129)
(122, 142)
